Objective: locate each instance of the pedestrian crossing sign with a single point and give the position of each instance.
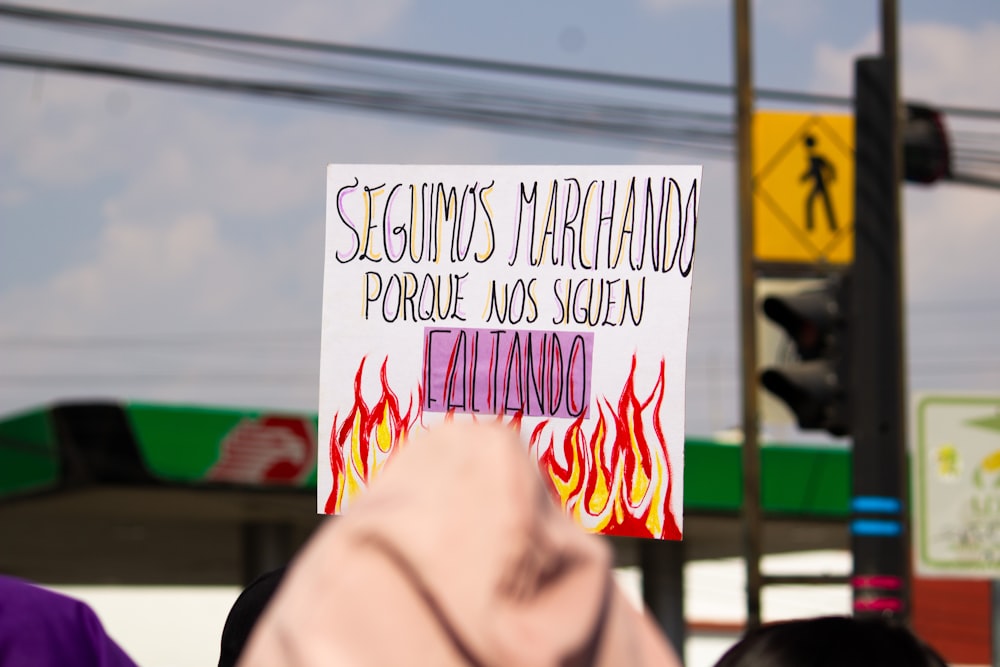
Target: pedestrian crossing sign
(803, 188)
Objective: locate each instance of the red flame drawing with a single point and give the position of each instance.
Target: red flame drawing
(616, 480)
(364, 440)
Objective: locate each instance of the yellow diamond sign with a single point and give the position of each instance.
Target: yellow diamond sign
(803, 188)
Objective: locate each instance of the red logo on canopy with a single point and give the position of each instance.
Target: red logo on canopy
(269, 450)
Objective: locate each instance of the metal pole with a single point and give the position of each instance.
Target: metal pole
(890, 51)
(266, 546)
(879, 525)
(751, 451)
(663, 587)
(890, 41)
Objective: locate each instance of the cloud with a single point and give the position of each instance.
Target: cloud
(663, 6)
(207, 216)
(791, 16)
(12, 196)
(153, 278)
(951, 237)
(246, 168)
(247, 156)
(203, 301)
(946, 64)
(351, 20)
(176, 235)
(948, 229)
(53, 125)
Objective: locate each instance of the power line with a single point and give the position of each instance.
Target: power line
(200, 377)
(699, 131)
(704, 132)
(54, 16)
(975, 179)
(438, 60)
(488, 110)
(119, 344)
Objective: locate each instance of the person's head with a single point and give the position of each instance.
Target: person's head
(244, 615)
(830, 641)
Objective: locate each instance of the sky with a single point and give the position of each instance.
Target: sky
(165, 244)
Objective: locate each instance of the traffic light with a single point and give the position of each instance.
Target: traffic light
(814, 387)
(926, 149)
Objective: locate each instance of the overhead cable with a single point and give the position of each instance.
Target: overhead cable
(439, 60)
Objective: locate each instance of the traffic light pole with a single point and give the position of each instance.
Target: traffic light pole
(879, 531)
(752, 520)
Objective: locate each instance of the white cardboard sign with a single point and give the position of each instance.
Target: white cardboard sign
(552, 298)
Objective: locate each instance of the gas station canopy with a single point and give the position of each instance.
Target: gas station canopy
(138, 493)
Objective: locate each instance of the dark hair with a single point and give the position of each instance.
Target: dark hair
(830, 641)
(244, 615)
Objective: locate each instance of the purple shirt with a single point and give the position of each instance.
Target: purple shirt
(41, 628)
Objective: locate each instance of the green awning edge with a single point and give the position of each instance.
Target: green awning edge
(29, 456)
(179, 444)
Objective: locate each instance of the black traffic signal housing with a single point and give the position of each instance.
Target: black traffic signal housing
(814, 387)
(926, 148)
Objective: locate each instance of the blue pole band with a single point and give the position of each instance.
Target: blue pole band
(877, 505)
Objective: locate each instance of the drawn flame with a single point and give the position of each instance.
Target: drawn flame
(617, 480)
(364, 440)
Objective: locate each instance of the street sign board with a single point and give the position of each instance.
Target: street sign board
(955, 476)
(803, 188)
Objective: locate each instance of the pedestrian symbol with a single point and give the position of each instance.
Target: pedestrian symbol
(803, 188)
(820, 171)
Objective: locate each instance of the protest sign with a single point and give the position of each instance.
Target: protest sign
(554, 299)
